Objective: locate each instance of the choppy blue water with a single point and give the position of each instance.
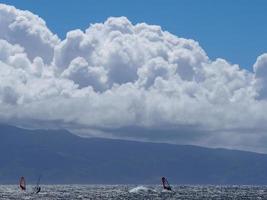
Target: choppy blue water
(72, 192)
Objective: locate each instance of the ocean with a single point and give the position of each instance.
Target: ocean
(153, 192)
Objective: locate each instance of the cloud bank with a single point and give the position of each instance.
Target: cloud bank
(120, 80)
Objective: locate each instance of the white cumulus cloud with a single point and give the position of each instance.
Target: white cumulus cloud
(130, 81)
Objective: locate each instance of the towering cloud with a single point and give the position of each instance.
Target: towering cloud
(260, 69)
(120, 80)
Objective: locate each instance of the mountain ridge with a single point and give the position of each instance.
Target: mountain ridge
(64, 158)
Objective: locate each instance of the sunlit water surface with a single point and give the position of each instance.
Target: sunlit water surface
(95, 192)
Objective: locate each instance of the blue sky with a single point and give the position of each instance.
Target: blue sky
(233, 30)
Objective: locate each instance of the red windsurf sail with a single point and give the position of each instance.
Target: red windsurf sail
(165, 184)
(22, 183)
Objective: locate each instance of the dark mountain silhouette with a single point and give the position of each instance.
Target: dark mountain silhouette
(61, 157)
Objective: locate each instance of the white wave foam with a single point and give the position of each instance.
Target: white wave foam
(141, 189)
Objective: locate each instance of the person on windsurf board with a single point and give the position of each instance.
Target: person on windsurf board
(165, 184)
(37, 188)
(22, 183)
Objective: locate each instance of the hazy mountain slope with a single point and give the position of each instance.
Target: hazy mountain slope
(65, 158)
